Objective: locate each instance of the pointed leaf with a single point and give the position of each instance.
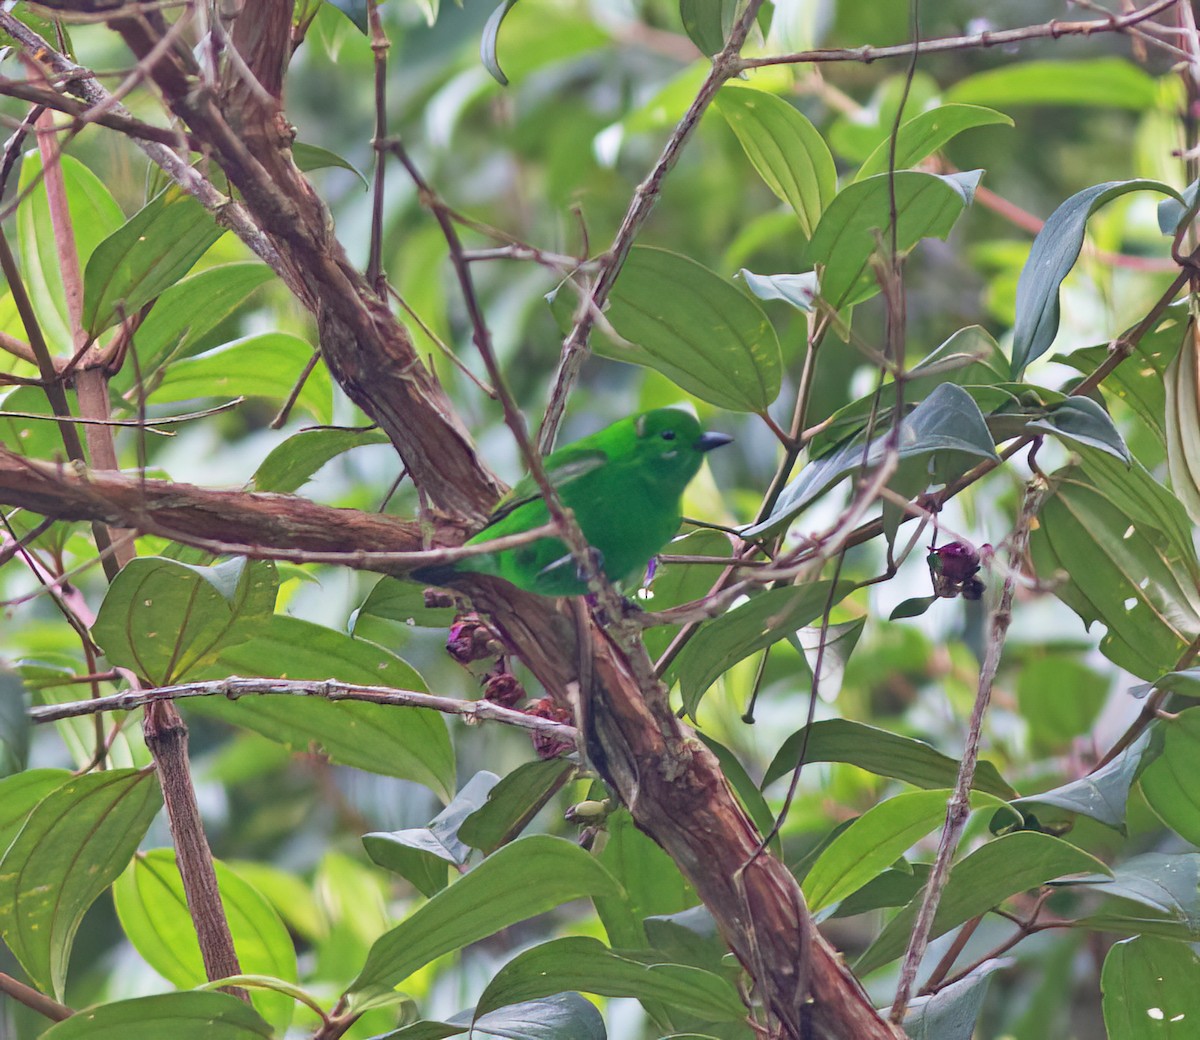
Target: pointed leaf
(796, 289)
(765, 619)
(951, 1012)
(164, 619)
(153, 909)
(1149, 989)
(1183, 422)
(927, 133)
(294, 462)
(1167, 781)
(691, 325)
(1054, 252)
(411, 743)
(181, 1016)
(528, 877)
(877, 839)
(155, 248)
(513, 802)
(947, 424)
(266, 365)
(1119, 549)
(848, 235)
(882, 753)
(14, 725)
(784, 147)
(487, 44)
(1106, 82)
(991, 874)
(585, 964)
(707, 22)
(72, 847)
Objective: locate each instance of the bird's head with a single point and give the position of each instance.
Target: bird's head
(672, 442)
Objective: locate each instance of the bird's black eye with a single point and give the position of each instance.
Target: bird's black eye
(668, 435)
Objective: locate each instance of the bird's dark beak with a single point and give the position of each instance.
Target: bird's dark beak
(708, 441)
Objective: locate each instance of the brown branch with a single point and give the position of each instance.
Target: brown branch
(329, 689)
(31, 998)
(982, 40)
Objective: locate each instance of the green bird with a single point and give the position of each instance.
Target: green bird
(623, 484)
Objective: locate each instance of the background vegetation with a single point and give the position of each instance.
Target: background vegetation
(318, 282)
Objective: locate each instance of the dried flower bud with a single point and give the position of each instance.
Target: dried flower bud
(955, 561)
(503, 688)
(547, 745)
(470, 639)
(435, 598)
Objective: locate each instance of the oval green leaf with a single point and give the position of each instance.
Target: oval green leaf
(784, 147)
(1054, 252)
(681, 319)
(163, 619)
(580, 963)
(72, 847)
(925, 134)
(1168, 782)
(181, 1016)
(528, 877)
(1150, 990)
(152, 251)
(411, 743)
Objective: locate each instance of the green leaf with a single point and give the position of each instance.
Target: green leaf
(1102, 82)
(421, 854)
(691, 325)
(155, 248)
(94, 215)
(951, 1012)
(947, 425)
(266, 365)
(882, 753)
(732, 637)
(848, 234)
(19, 794)
(188, 311)
(403, 601)
(355, 11)
(678, 583)
(513, 802)
(785, 148)
(73, 845)
(649, 879)
(14, 724)
(927, 133)
(1054, 252)
(164, 619)
(1167, 885)
(876, 840)
(1140, 381)
(563, 1016)
(707, 22)
(1119, 550)
(294, 462)
(914, 607)
(411, 743)
(746, 790)
(310, 157)
(1100, 795)
(580, 963)
(181, 1016)
(487, 44)
(796, 289)
(1082, 421)
(528, 877)
(1149, 989)
(152, 906)
(992, 873)
(1168, 780)
(1182, 414)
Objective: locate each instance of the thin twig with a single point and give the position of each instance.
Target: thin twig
(235, 687)
(959, 807)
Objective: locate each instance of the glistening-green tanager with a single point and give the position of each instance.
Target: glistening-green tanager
(623, 484)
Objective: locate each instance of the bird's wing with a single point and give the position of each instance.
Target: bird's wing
(564, 466)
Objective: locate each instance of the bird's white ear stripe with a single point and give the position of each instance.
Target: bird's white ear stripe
(640, 426)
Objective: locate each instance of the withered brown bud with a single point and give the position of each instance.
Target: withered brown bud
(546, 744)
(470, 639)
(503, 688)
